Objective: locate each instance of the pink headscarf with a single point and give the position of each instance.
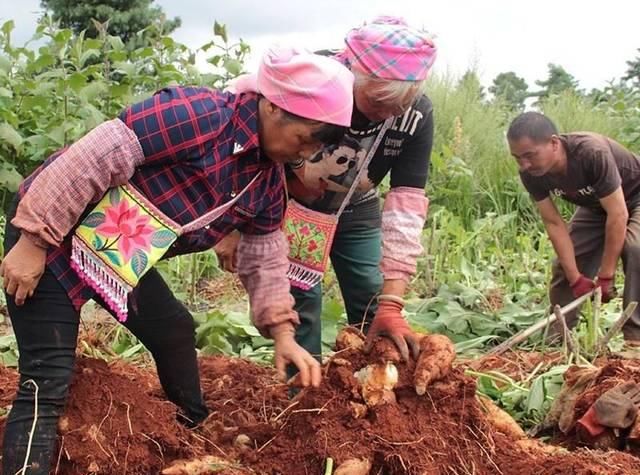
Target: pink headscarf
(388, 48)
(303, 83)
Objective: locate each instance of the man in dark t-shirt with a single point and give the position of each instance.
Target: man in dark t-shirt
(602, 178)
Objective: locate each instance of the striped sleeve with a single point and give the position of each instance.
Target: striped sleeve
(262, 268)
(403, 217)
(105, 157)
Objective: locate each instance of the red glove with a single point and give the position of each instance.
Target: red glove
(607, 288)
(390, 322)
(590, 422)
(582, 286)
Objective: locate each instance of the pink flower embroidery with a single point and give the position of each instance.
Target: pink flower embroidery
(304, 230)
(130, 229)
(312, 246)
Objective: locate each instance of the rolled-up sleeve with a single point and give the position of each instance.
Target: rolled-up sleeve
(403, 217)
(262, 267)
(105, 157)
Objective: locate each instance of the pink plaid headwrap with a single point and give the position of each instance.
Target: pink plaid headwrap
(311, 86)
(388, 48)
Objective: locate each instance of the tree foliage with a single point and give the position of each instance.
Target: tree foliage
(51, 96)
(558, 81)
(130, 20)
(510, 88)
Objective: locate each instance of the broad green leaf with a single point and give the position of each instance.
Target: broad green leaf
(233, 66)
(88, 54)
(120, 90)
(220, 30)
(474, 343)
(122, 67)
(10, 179)
(215, 60)
(57, 135)
(115, 42)
(93, 43)
(8, 341)
(77, 81)
(92, 90)
(8, 26)
(9, 359)
(132, 351)
(5, 64)
(93, 116)
(11, 136)
(63, 36)
(33, 102)
(44, 61)
(167, 41)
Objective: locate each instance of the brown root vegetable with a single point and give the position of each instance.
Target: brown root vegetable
(242, 442)
(437, 354)
(350, 337)
(384, 349)
(377, 382)
(340, 362)
(354, 467)
(500, 419)
(358, 411)
(202, 466)
(538, 448)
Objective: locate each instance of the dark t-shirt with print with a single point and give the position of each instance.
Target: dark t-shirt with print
(322, 182)
(596, 167)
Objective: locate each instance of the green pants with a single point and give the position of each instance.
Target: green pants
(355, 256)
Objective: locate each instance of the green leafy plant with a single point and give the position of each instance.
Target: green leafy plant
(527, 401)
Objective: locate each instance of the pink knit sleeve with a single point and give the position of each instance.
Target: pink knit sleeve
(105, 157)
(403, 216)
(262, 268)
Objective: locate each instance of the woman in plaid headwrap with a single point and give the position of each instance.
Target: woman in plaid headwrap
(187, 151)
(375, 251)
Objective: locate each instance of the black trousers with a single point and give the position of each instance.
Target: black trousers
(46, 329)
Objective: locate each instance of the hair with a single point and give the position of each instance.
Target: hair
(538, 127)
(330, 134)
(387, 90)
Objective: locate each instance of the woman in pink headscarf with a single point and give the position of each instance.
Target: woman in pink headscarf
(187, 152)
(374, 251)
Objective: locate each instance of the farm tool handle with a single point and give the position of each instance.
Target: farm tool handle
(527, 332)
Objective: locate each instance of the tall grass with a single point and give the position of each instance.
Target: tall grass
(472, 172)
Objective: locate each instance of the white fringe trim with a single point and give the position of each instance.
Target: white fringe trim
(100, 278)
(302, 277)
